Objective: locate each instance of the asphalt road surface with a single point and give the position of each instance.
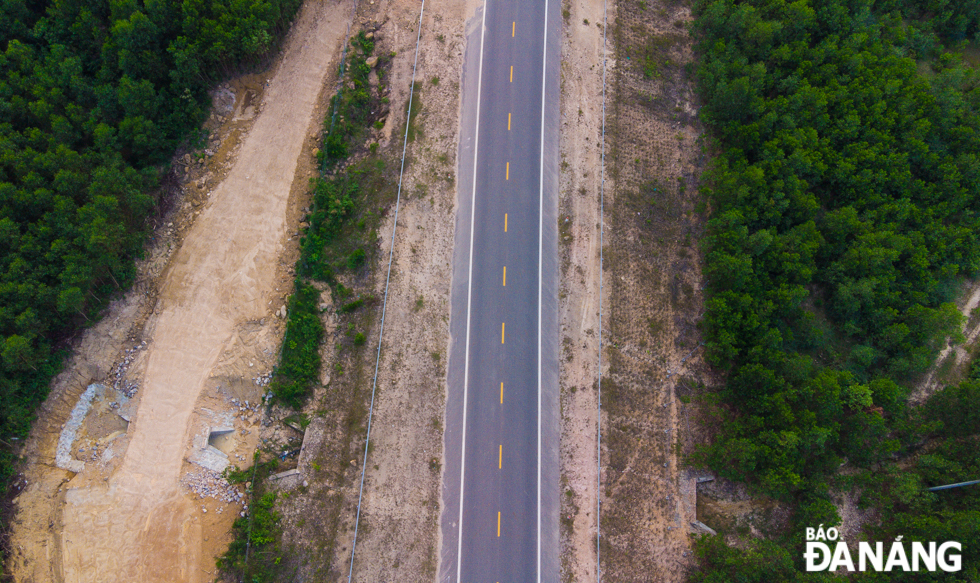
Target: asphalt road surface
(500, 489)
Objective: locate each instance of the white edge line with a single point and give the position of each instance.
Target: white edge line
(544, 84)
(469, 302)
(602, 226)
(384, 305)
(598, 429)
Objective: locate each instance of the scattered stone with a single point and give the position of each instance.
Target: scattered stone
(371, 62)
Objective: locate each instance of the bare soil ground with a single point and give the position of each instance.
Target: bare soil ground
(201, 326)
(580, 176)
(398, 532)
(653, 285)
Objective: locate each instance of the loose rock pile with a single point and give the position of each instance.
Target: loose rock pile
(118, 374)
(209, 484)
(245, 406)
(93, 451)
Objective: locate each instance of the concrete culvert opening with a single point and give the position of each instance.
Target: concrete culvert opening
(223, 440)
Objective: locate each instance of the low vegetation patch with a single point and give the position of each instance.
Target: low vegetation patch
(299, 366)
(343, 219)
(254, 552)
(354, 109)
(338, 249)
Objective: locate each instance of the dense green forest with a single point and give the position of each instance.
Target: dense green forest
(845, 211)
(943, 437)
(95, 96)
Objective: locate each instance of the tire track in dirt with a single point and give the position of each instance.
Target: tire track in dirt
(138, 525)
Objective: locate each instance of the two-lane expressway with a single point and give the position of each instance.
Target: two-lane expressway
(500, 488)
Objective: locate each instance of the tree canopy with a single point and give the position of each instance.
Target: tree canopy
(845, 202)
(845, 199)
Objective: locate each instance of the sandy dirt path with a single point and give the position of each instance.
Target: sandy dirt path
(581, 155)
(139, 525)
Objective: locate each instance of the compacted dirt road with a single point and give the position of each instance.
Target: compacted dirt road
(138, 523)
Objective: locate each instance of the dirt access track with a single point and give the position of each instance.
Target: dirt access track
(128, 517)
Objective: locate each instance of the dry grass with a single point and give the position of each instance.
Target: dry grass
(654, 271)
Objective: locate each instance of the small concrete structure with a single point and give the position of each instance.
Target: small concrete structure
(289, 479)
(204, 453)
(211, 458)
(689, 500)
(286, 474)
(702, 527)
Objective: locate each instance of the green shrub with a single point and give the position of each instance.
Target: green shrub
(958, 408)
(354, 109)
(256, 535)
(299, 366)
(354, 305)
(356, 259)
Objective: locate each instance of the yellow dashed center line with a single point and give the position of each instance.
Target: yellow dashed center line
(500, 455)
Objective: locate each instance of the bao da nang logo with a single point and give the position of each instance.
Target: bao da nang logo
(898, 556)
